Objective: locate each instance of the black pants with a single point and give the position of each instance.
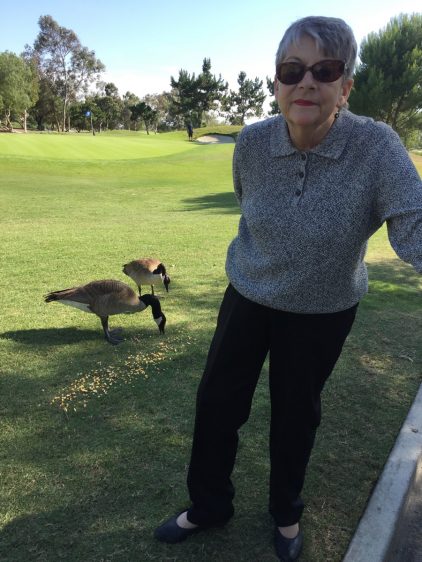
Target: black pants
(303, 351)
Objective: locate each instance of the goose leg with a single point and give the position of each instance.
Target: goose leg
(111, 337)
(152, 289)
(139, 287)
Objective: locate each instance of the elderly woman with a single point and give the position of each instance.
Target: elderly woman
(313, 185)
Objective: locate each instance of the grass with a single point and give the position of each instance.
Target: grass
(95, 439)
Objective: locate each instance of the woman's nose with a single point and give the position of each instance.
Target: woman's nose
(308, 80)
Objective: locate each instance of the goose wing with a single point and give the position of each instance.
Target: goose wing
(110, 297)
(76, 294)
(141, 270)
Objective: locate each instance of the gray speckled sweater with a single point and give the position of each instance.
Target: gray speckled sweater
(307, 216)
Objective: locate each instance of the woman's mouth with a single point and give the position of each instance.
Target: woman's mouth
(305, 103)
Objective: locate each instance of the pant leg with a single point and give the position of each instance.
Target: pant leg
(303, 352)
(238, 350)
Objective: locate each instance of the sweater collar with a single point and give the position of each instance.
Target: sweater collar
(331, 146)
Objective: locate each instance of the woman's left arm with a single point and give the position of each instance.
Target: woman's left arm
(399, 201)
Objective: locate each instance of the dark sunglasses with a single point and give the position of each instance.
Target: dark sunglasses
(322, 71)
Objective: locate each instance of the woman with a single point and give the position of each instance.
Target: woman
(313, 185)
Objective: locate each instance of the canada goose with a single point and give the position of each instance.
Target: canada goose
(105, 298)
(147, 271)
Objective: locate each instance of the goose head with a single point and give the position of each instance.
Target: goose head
(157, 313)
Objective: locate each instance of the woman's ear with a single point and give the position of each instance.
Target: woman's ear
(346, 88)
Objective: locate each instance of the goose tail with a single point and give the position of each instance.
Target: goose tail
(59, 295)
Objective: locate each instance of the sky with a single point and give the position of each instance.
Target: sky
(143, 43)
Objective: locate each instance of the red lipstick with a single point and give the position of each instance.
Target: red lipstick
(305, 103)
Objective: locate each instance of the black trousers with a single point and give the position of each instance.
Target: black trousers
(303, 350)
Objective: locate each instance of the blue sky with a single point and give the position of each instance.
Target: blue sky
(143, 43)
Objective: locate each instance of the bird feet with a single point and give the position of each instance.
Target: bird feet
(114, 336)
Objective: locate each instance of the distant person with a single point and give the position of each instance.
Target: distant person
(190, 130)
(313, 184)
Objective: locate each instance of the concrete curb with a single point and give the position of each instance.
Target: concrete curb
(407, 541)
(375, 534)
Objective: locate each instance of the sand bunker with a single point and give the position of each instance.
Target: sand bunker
(208, 139)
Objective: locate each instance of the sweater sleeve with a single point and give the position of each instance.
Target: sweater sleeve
(237, 182)
(399, 200)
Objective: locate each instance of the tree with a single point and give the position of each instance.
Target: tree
(64, 62)
(247, 102)
(110, 104)
(47, 110)
(183, 102)
(143, 112)
(210, 90)
(192, 96)
(274, 109)
(161, 103)
(150, 117)
(18, 87)
(388, 80)
(129, 101)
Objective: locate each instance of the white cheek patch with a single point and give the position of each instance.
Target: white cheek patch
(158, 320)
(80, 305)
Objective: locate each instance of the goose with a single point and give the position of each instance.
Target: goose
(147, 271)
(105, 298)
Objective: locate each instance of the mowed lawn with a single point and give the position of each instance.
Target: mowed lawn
(95, 439)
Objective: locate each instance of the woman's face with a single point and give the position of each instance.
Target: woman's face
(310, 105)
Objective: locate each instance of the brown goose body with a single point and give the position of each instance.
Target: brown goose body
(147, 271)
(106, 298)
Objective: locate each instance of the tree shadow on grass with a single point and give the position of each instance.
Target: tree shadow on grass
(395, 272)
(217, 202)
(393, 284)
(52, 336)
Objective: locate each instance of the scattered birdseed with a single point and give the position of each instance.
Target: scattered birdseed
(102, 379)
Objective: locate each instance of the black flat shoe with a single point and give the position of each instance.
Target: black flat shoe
(171, 532)
(288, 549)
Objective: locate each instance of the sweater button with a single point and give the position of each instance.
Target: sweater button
(301, 174)
(298, 192)
(303, 156)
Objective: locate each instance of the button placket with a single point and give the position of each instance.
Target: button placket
(301, 173)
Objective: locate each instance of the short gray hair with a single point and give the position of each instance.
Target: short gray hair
(332, 35)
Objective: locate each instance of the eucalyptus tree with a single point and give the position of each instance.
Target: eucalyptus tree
(130, 101)
(18, 88)
(111, 105)
(388, 80)
(47, 110)
(160, 103)
(68, 66)
(246, 102)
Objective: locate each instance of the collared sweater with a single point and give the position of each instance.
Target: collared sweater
(306, 217)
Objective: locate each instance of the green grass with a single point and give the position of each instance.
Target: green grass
(94, 438)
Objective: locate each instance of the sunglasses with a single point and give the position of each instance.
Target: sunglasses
(322, 71)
